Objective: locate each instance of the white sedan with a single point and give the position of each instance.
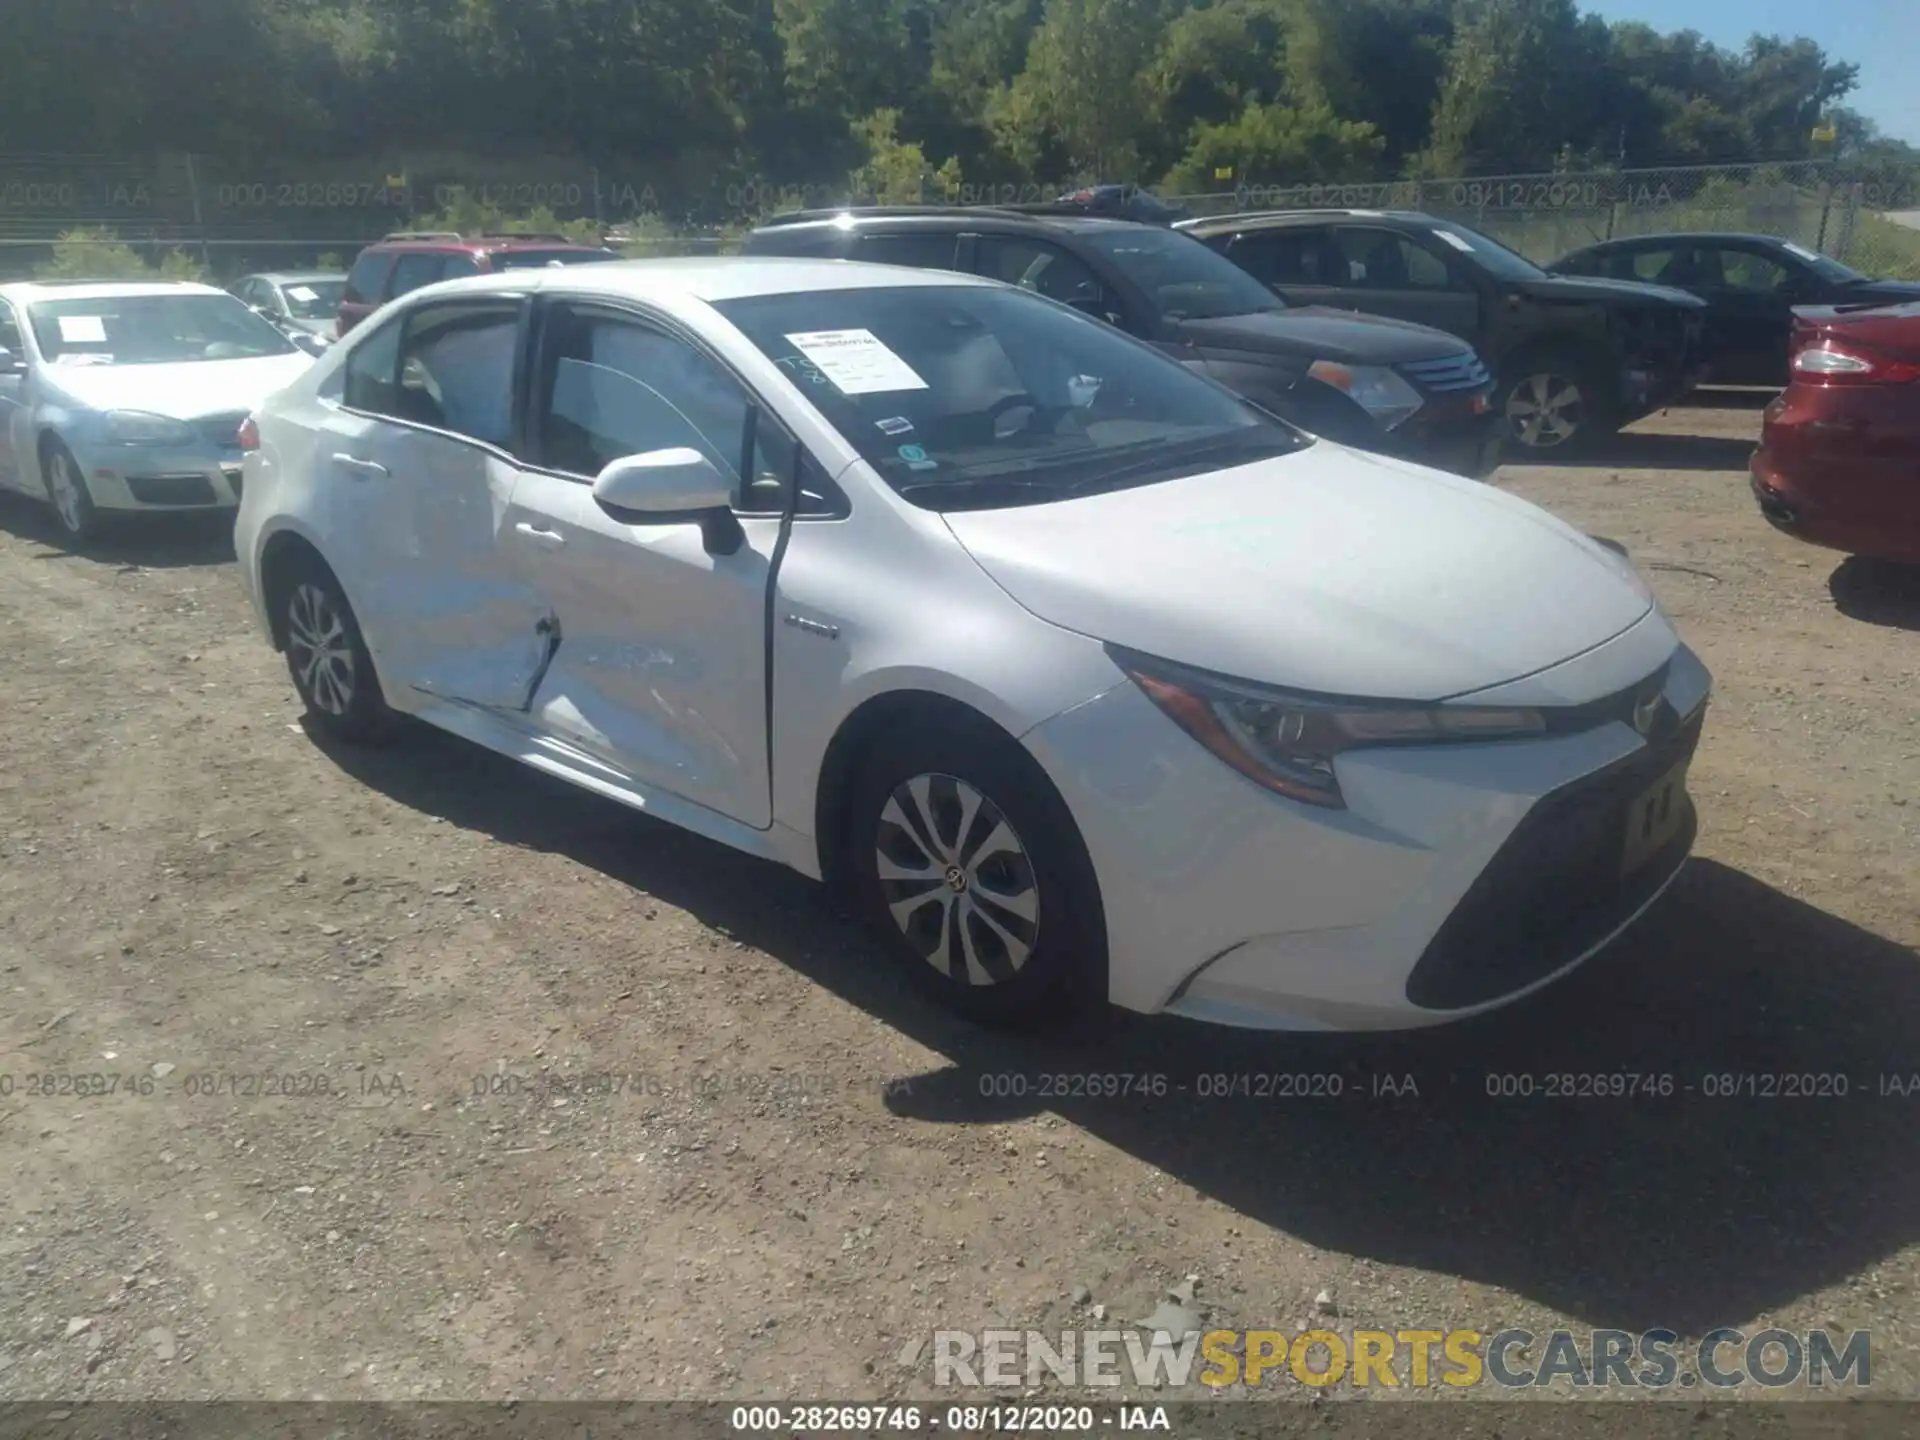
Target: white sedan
(1089, 680)
(129, 396)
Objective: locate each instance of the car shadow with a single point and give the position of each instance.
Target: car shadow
(1741, 397)
(1877, 592)
(1635, 450)
(1710, 1195)
(162, 541)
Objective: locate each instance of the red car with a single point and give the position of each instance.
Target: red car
(410, 259)
(1839, 457)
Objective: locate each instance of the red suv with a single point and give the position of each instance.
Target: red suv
(412, 258)
(1839, 457)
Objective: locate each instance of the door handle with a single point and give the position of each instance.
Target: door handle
(353, 465)
(545, 537)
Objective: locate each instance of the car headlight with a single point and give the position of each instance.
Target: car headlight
(136, 427)
(1287, 741)
(1380, 392)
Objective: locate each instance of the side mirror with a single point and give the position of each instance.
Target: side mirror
(675, 484)
(313, 344)
(10, 363)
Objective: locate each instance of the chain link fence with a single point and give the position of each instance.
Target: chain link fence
(234, 217)
(1820, 204)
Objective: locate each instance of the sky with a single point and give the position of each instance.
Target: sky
(1882, 37)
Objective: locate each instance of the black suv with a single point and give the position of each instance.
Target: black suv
(1379, 385)
(1575, 359)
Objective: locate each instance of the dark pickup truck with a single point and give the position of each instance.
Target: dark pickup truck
(1574, 359)
(1376, 384)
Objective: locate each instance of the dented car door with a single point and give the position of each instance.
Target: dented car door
(427, 458)
(658, 666)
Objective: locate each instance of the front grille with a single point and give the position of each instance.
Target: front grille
(172, 489)
(1464, 371)
(1555, 890)
(221, 431)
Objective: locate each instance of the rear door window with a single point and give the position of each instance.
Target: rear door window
(1287, 257)
(1659, 265)
(918, 250)
(456, 368)
(414, 270)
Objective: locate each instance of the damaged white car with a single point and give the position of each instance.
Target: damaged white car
(1089, 680)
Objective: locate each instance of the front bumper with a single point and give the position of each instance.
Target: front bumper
(140, 477)
(1459, 878)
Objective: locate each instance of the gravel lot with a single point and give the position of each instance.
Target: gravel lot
(803, 1174)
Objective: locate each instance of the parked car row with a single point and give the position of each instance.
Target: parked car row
(1373, 382)
(993, 603)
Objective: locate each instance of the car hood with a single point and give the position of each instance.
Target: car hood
(1610, 292)
(182, 392)
(1327, 570)
(1315, 332)
(312, 327)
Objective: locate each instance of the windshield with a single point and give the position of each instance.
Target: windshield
(1825, 266)
(1184, 279)
(152, 330)
(1496, 259)
(313, 299)
(536, 259)
(976, 397)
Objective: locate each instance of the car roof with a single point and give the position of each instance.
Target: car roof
(28, 291)
(967, 216)
(1692, 237)
(294, 277)
(1212, 224)
(710, 278)
(451, 241)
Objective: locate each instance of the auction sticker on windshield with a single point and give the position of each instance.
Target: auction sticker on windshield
(303, 292)
(82, 330)
(856, 361)
(1455, 241)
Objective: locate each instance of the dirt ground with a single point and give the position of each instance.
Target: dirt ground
(799, 1169)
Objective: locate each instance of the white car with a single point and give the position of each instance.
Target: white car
(129, 396)
(1088, 679)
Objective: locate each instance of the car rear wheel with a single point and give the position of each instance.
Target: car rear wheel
(967, 863)
(1552, 406)
(67, 490)
(327, 657)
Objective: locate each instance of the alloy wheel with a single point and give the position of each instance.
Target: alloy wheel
(317, 643)
(1545, 410)
(957, 880)
(68, 502)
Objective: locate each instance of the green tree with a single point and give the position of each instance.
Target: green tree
(1083, 91)
(1279, 145)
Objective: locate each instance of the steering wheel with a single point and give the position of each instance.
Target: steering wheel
(1022, 400)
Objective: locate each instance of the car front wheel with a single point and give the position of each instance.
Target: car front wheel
(1552, 406)
(968, 864)
(67, 489)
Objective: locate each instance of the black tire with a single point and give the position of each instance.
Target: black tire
(1039, 890)
(1552, 405)
(327, 655)
(67, 493)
